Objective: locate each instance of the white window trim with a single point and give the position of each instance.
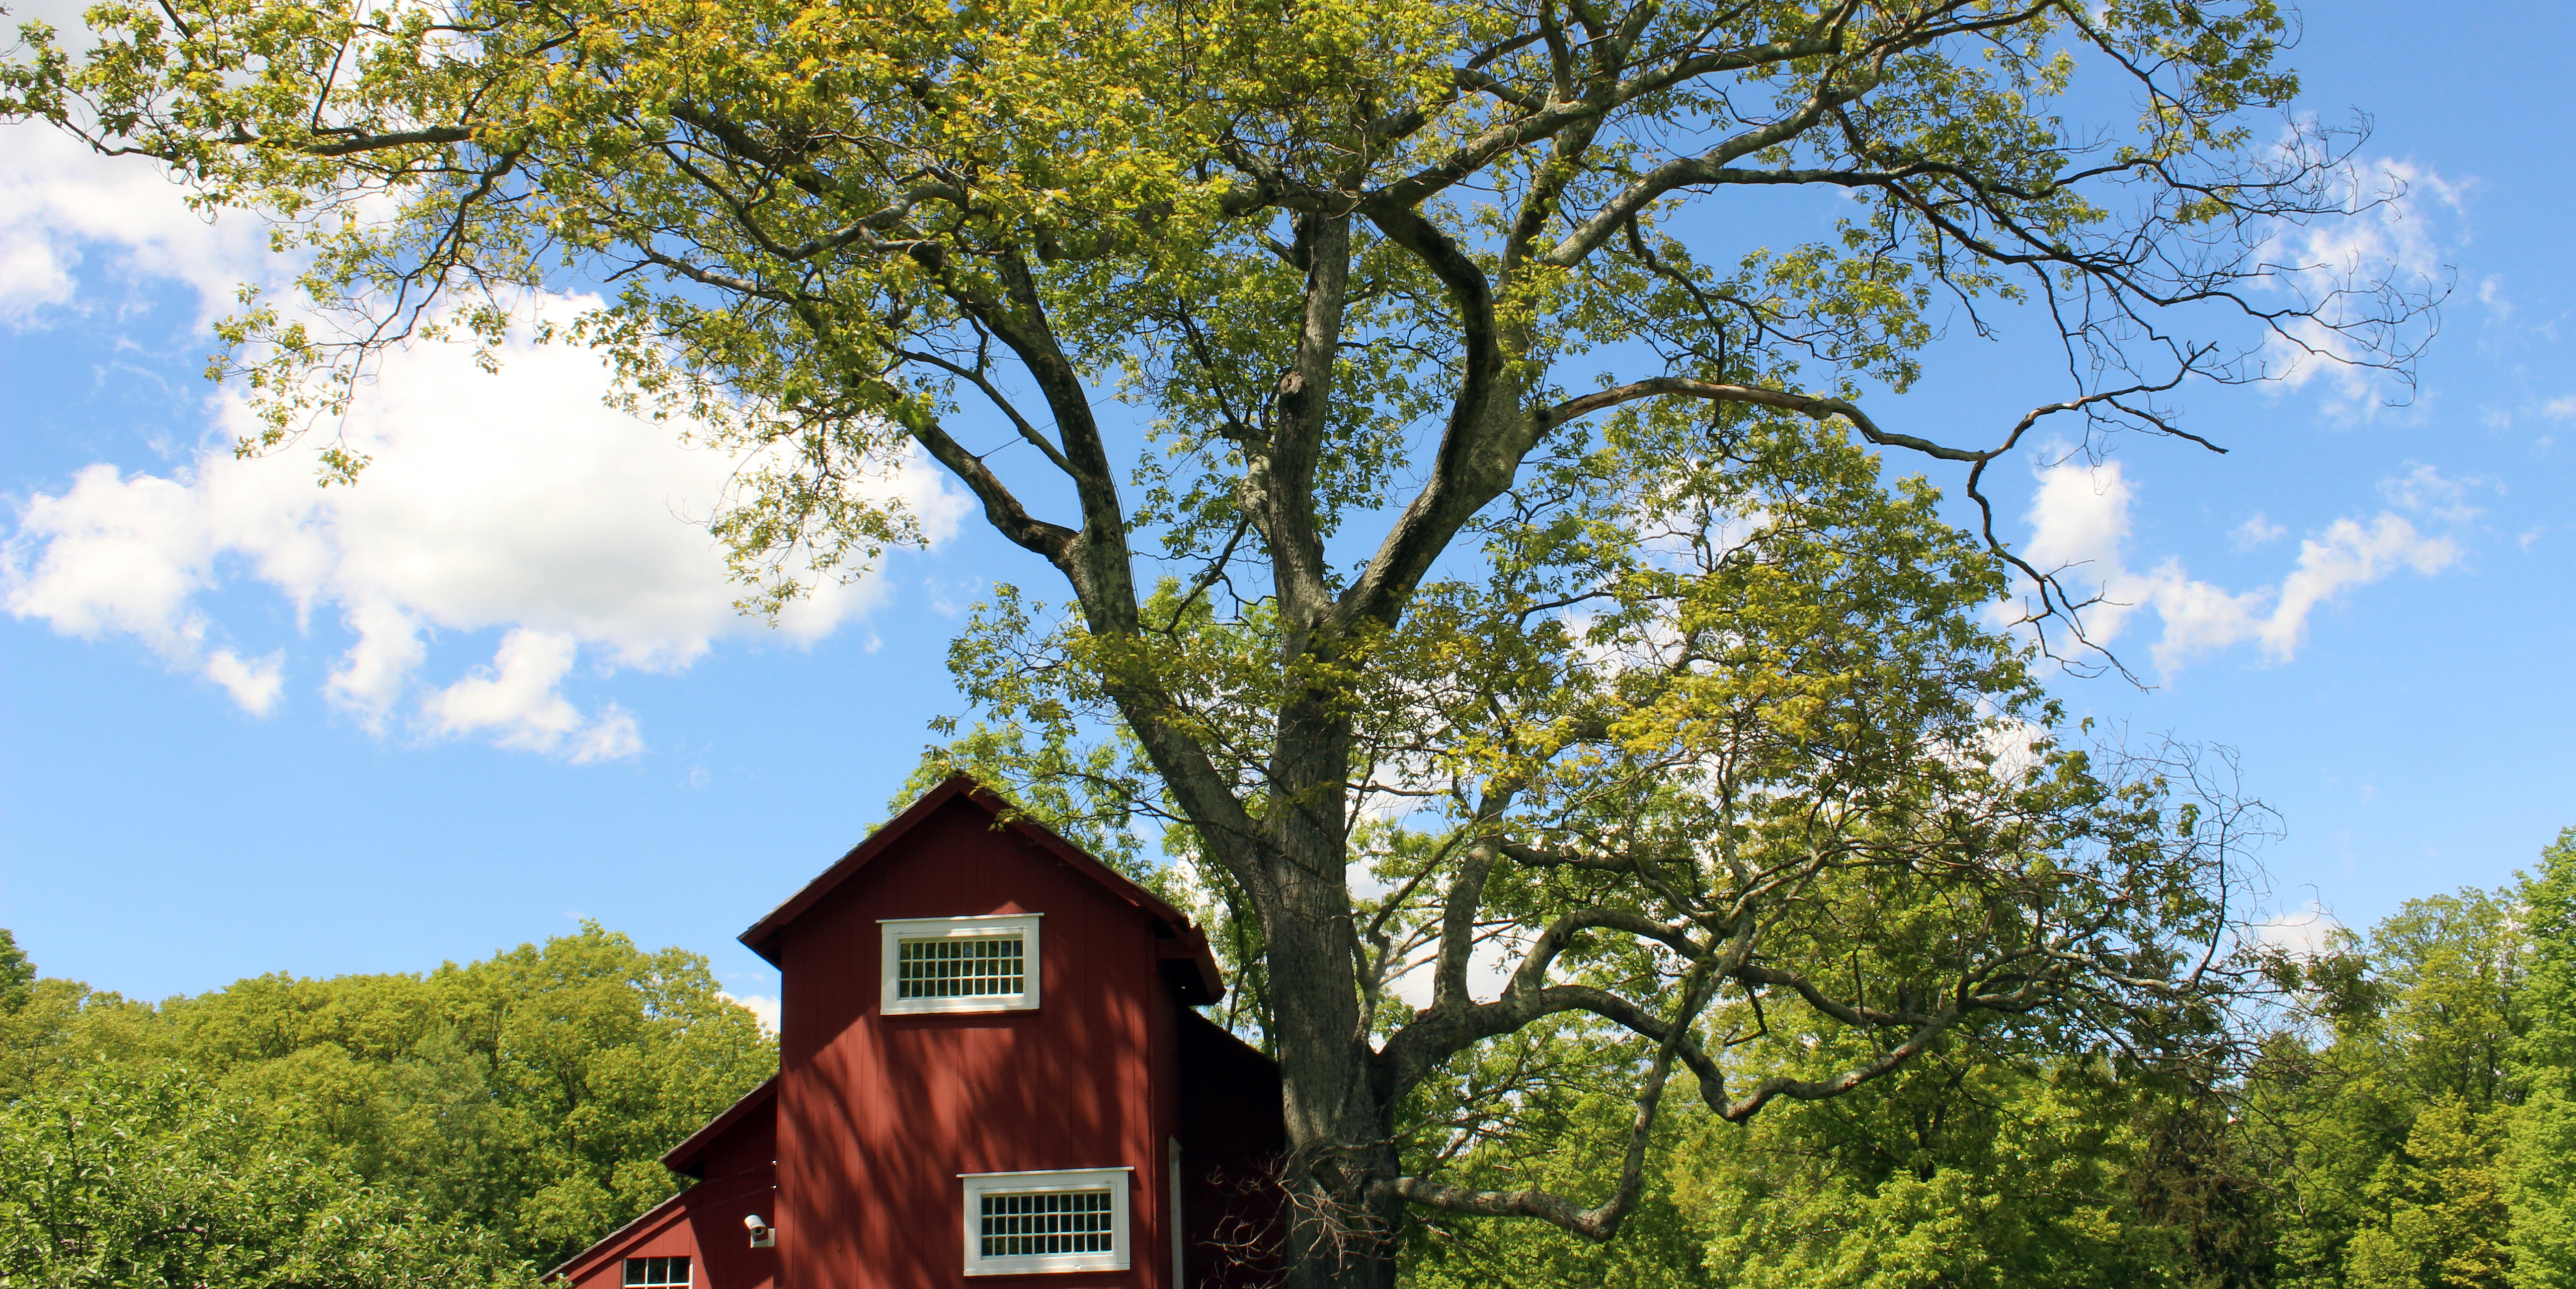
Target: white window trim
(1112, 1180)
(898, 930)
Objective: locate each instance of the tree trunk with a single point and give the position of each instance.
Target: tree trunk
(1338, 1139)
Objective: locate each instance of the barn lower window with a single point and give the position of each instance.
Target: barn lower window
(974, 964)
(657, 1273)
(1027, 1226)
(1057, 1221)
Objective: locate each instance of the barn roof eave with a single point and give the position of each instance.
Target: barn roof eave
(648, 1222)
(763, 936)
(680, 1158)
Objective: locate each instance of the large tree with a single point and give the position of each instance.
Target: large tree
(1476, 533)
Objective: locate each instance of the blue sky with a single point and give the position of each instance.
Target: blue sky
(248, 726)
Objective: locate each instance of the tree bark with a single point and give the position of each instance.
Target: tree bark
(1341, 1233)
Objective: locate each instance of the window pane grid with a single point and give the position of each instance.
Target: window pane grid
(1022, 1226)
(657, 1273)
(960, 967)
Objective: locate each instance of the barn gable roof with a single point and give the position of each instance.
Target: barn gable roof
(687, 1157)
(614, 1244)
(1200, 980)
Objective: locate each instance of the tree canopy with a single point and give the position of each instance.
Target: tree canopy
(1471, 541)
(140, 1175)
(2404, 1126)
(523, 1100)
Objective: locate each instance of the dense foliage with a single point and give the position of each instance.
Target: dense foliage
(133, 1175)
(2405, 1125)
(479, 1122)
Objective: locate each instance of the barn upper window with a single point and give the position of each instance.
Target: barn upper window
(976, 964)
(657, 1273)
(1065, 1221)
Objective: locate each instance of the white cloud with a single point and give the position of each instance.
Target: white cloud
(254, 684)
(2397, 219)
(515, 698)
(2007, 746)
(1489, 970)
(2080, 524)
(2424, 490)
(116, 556)
(611, 737)
(514, 502)
(372, 674)
(2304, 932)
(113, 557)
(2257, 531)
(2349, 554)
(2079, 515)
(2491, 294)
(64, 208)
(762, 1008)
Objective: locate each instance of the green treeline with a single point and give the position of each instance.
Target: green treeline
(2407, 1120)
(465, 1128)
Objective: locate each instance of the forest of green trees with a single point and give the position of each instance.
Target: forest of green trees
(466, 1128)
(2404, 1118)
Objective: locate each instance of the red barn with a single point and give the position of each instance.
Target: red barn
(989, 1065)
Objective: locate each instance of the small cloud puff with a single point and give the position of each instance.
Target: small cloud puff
(2424, 490)
(255, 684)
(2257, 531)
(516, 701)
(2491, 294)
(2304, 932)
(762, 1008)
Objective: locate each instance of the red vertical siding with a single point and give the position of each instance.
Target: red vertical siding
(878, 1115)
(1232, 1138)
(741, 1180)
(665, 1232)
(704, 1222)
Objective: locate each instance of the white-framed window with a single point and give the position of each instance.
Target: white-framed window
(657, 1273)
(985, 964)
(1018, 1223)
